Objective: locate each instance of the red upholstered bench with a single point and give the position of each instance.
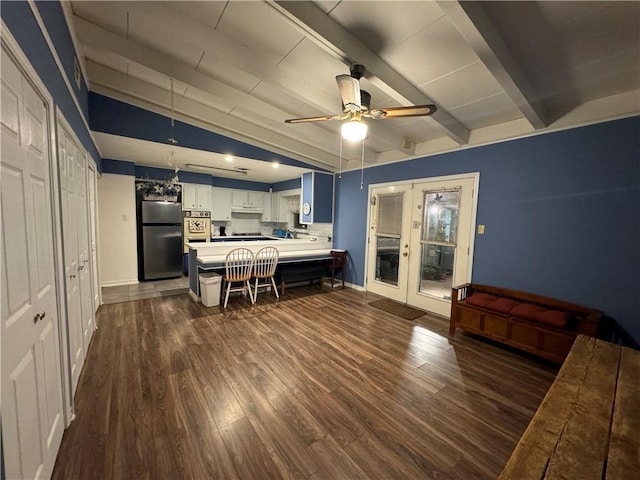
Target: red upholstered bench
(540, 325)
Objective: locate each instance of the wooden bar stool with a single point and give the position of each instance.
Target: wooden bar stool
(238, 267)
(264, 268)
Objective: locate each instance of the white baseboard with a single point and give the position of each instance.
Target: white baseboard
(338, 284)
(360, 288)
(116, 283)
(193, 296)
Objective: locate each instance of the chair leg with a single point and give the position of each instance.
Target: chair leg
(275, 289)
(255, 291)
(226, 297)
(248, 283)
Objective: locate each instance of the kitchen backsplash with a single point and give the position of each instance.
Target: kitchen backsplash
(251, 223)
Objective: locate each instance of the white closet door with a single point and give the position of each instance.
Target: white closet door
(69, 187)
(84, 251)
(32, 412)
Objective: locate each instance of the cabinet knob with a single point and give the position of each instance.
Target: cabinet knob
(39, 316)
(405, 254)
(72, 276)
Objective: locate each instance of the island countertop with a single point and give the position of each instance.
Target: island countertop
(222, 247)
(204, 256)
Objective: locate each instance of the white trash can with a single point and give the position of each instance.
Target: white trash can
(210, 289)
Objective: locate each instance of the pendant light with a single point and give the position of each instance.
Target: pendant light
(172, 141)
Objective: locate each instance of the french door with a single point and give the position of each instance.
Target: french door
(420, 240)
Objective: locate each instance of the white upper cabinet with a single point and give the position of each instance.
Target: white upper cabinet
(221, 203)
(196, 197)
(256, 200)
(267, 210)
(247, 200)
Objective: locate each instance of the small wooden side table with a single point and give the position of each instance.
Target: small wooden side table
(337, 265)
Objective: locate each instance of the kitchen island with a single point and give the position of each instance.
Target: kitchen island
(210, 256)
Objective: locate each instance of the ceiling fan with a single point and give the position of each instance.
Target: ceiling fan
(356, 105)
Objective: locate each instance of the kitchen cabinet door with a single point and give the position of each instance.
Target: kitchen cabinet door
(203, 197)
(239, 198)
(267, 210)
(256, 200)
(196, 197)
(189, 196)
(220, 204)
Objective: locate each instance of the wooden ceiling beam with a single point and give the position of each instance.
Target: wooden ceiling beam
(473, 23)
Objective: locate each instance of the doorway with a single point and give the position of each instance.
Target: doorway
(420, 240)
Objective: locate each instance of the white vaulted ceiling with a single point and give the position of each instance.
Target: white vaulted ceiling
(495, 70)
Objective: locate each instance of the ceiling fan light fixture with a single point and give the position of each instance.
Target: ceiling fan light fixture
(354, 130)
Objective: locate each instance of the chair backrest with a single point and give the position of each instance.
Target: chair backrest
(265, 262)
(238, 264)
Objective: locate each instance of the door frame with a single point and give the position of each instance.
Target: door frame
(475, 176)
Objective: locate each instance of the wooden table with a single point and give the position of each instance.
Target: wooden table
(588, 425)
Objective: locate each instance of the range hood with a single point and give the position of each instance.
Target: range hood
(245, 209)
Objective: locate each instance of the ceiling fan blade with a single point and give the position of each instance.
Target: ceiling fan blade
(349, 92)
(399, 112)
(315, 119)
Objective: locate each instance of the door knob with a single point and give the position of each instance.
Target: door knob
(405, 254)
(39, 316)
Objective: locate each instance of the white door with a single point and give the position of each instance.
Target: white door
(67, 152)
(420, 240)
(389, 232)
(441, 235)
(84, 249)
(32, 412)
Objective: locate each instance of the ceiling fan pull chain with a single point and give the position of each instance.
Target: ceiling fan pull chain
(362, 168)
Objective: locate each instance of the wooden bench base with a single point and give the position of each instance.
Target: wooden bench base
(588, 425)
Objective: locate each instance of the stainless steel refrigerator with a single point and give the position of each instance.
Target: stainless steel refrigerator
(161, 240)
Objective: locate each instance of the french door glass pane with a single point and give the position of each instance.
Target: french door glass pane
(387, 259)
(438, 242)
(388, 234)
(441, 216)
(390, 214)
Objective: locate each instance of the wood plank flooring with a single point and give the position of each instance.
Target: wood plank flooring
(319, 385)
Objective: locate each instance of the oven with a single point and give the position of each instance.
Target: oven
(196, 227)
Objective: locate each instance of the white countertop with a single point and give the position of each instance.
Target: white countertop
(284, 245)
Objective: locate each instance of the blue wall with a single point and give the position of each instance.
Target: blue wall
(118, 118)
(121, 167)
(562, 214)
(287, 185)
(23, 26)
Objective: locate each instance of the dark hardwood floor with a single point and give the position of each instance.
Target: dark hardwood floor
(319, 385)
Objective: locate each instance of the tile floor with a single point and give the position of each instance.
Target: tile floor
(150, 289)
